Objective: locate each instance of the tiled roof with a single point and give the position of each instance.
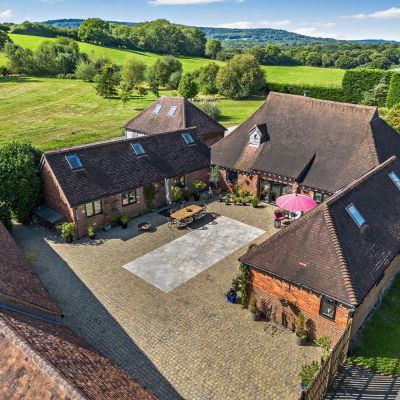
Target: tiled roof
(337, 142)
(186, 115)
(40, 349)
(113, 167)
(327, 252)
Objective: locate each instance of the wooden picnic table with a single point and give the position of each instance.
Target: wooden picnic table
(186, 212)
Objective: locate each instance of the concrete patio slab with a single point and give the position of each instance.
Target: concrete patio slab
(175, 263)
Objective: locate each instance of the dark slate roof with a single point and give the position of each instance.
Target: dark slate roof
(187, 115)
(17, 278)
(337, 142)
(327, 252)
(113, 167)
(54, 346)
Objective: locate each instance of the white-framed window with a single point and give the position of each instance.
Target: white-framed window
(172, 111)
(328, 308)
(129, 198)
(157, 108)
(355, 215)
(255, 138)
(74, 161)
(93, 208)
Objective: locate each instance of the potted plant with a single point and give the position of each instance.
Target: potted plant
(308, 371)
(68, 231)
(227, 199)
(255, 201)
(186, 194)
(301, 333)
(215, 177)
(198, 186)
(176, 194)
(91, 231)
(234, 201)
(231, 295)
(124, 219)
(255, 314)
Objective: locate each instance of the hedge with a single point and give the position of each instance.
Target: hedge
(393, 97)
(318, 92)
(358, 81)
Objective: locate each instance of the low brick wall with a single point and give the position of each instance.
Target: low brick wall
(268, 290)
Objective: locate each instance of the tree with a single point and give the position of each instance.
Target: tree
(107, 81)
(188, 87)
(124, 92)
(133, 72)
(94, 30)
(208, 78)
(160, 72)
(5, 215)
(213, 47)
(345, 62)
(174, 80)
(86, 70)
(241, 77)
(20, 183)
(20, 61)
(3, 39)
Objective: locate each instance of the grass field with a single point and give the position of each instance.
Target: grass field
(53, 113)
(292, 75)
(379, 348)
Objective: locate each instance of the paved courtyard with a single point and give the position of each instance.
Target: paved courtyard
(188, 343)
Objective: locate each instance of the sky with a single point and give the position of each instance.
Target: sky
(340, 19)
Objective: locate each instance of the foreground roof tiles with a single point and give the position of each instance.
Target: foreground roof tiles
(113, 167)
(327, 252)
(186, 115)
(322, 144)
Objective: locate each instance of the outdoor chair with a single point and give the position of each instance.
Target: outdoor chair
(279, 217)
(171, 221)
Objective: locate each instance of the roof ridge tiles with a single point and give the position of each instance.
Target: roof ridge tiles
(340, 255)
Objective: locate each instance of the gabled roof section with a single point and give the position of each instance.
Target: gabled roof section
(330, 254)
(114, 167)
(346, 140)
(186, 115)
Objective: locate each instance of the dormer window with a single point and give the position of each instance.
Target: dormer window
(355, 215)
(74, 161)
(138, 149)
(395, 178)
(255, 138)
(188, 138)
(157, 108)
(172, 111)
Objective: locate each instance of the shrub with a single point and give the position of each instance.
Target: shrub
(4, 71)
(317, 92)
(300, 322)
(210, 107)
(253, 305)
(86, 71)
(91, 229)
(393, 96)
(5, 215)
(215, 175)
(188, 87)
(325, 343)
(67, 229)
(244, 273)
(308, 372)
(176, 194)
(199, 185)
(392, 117)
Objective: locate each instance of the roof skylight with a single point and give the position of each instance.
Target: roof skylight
(394, 177)
(157, 108)
(355, 215)
(138, 149)
(74, 161)
(172, 111)
(188, 138)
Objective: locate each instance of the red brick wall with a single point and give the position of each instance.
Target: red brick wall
(375, 295)
(53, 195)
(200, 175)
(249, 183)
(268, 290)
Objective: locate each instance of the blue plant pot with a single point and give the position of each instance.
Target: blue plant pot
(231, 299)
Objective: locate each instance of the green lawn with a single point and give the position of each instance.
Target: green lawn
(379, 348)
(292, 75)
(52, 113)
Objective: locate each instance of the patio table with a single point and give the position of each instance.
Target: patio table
(186, 212)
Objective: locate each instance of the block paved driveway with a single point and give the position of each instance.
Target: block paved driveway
(186, 344)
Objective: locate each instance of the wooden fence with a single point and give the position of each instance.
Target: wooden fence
(337, 355)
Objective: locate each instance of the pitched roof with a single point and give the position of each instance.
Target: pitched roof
(326, 251)
(39, 347)
(186, 115)
(337, 142)
(113, 167)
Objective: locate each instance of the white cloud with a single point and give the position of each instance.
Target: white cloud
(252, 25)
(6, 14)
(393, 12)
(181, 2)
(315, 32)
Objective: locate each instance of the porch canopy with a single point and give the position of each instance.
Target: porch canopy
(296, 202)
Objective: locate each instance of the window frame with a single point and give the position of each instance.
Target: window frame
(231, 171)
(91, 203)
(395, 180)
(77, 158)
(157, 108)
(353, 217)
(128, 194)
(188, 138)
(172, 113)
(330, 301)
(323, 196)
(141, 151)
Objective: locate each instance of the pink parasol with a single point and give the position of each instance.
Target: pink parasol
(296, 202)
